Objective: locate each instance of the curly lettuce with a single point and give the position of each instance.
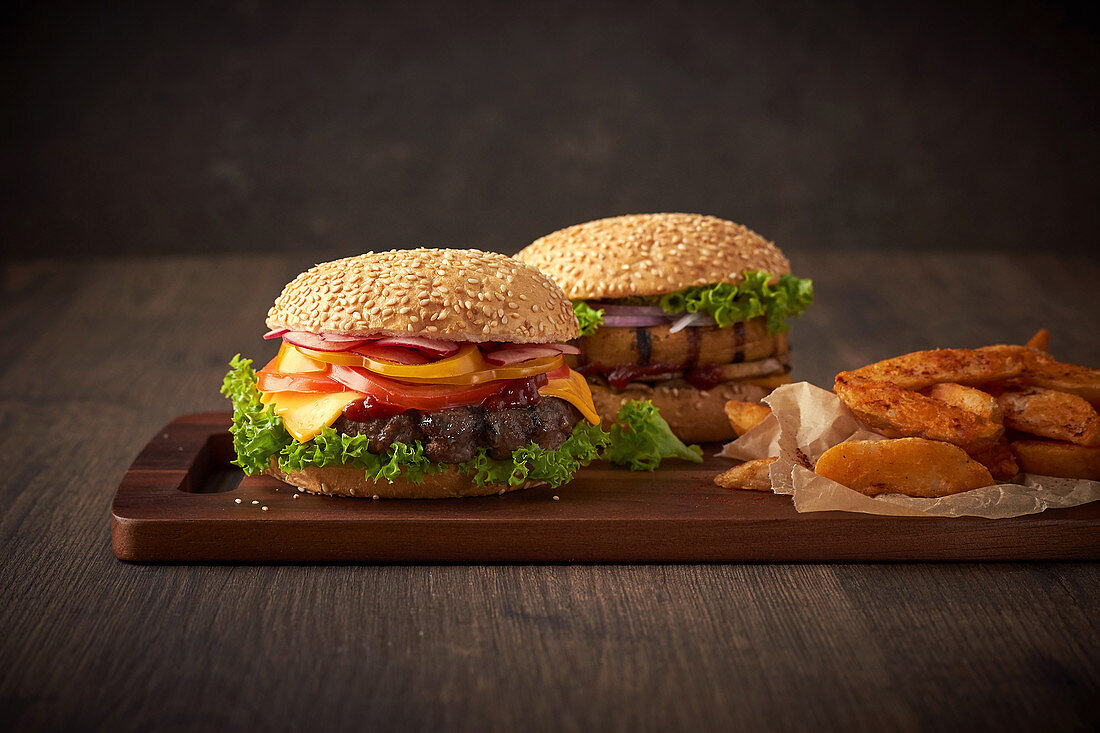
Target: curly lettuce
(641, 439)
(751, 298)
(588, 318)
(330, 448)
(259, 435)
(535, 463)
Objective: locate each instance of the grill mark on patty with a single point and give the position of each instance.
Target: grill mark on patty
(739, 341)
(643, 343)
(693, 348)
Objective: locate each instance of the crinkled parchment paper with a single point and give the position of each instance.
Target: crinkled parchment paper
(807, 420)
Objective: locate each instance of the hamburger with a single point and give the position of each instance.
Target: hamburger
(421, 373)
(685, 310)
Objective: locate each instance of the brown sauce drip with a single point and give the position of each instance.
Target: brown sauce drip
(704, 377)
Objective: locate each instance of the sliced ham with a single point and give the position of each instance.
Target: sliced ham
(323, 342)
(516, 353)
(433, 347)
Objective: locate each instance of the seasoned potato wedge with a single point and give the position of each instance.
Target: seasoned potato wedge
(912, 466)
(1051, 458)
(744, 416)
(749, 476)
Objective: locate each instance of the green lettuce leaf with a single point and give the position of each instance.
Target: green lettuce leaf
(752, 298)
(588, 318)
(641, 438)
(534, 463)
(258, 434)
(331, 448)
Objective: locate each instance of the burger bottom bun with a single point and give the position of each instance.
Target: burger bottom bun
(695, 416)
(349, 481)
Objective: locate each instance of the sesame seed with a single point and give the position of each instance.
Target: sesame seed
(255, 502)
(296, 496)
(236, 501)
(263, 508)
(557, 498)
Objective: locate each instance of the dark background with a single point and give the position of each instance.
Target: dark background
(251, 126)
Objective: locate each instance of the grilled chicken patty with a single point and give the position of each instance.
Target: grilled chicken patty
(741, 342)
(453, 436)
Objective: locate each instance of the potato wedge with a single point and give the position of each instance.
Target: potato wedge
(899, 413)
(999, 459)
(749, 476)
(1040, 341)
(1064, 460)
(911, 466)
(744, 416)
(1040, 370)
(971, 399)
(1050, 414)
(922, 369)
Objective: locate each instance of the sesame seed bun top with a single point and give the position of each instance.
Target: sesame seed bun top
(651, 254)
(450, 294)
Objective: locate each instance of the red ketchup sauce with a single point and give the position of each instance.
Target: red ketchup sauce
(516, 393)
(370, 408)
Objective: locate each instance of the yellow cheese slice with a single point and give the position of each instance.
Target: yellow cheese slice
(574, 390)
(291, 361)
(304, 413)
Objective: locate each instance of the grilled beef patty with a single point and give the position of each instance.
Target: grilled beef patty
(453, 436)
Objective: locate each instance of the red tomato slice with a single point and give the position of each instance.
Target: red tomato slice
(279, 382)
(269, 379)
(427, 397)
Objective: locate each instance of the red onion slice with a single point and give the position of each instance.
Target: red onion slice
(691, 320)
(633, 321)
(275, 333)
(632, 310)
(323, 342)
(435, 347)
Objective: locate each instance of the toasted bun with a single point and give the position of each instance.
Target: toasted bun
(451, 294)
(695, 416)
(650, 254)
(347, 481)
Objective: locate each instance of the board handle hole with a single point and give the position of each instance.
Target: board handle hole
(219, 481)
(212, 472)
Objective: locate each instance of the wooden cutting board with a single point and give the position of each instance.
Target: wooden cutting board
(177, 503)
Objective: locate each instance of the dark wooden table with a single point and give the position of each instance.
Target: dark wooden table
(98, 354)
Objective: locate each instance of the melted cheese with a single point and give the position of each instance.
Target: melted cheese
(305, 413)
(574, 390)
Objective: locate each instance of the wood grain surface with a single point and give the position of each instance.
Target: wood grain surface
(99, 353)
